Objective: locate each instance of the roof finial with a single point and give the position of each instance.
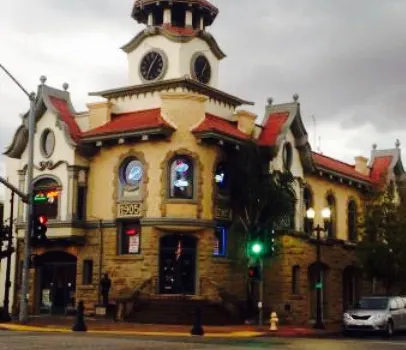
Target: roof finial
(374, 146)
(397, 143)
(43, 79)
(270, 100)
(296, 97)
(65, 86)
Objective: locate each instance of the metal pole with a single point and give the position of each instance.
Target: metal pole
(261, 292)
(319, 319)
(30, 167)
(5, 316)
(100, 261)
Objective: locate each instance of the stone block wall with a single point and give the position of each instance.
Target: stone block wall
(299, 251)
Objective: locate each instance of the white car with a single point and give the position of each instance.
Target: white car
(376, 314)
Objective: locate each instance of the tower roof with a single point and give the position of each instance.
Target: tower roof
(142, 8)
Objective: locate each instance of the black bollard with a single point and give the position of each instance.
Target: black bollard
(197, 328)
(79, 325)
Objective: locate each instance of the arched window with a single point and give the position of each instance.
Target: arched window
(331, 203)
(296, 279)
(46, 197)
(222, 178)
(308, 203)
(352, 220)
(181, 177)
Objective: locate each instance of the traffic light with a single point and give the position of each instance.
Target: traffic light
(272, 243)
(254, 272)
(256, 248)
(39, 228)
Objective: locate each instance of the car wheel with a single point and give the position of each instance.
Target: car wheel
(390, 329)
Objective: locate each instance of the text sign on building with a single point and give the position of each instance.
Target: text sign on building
(223, 213)
(130, 210)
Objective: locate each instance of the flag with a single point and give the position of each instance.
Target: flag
(178, 250)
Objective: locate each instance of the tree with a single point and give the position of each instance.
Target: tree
(262, 200)
(382, 250)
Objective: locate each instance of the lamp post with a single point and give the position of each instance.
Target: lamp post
(23, 317)
(326, 214)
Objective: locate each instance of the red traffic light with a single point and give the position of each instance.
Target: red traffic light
(254, 272)
(42, 219)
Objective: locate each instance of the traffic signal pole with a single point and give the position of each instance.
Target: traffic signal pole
(261, 293)
(23, 317)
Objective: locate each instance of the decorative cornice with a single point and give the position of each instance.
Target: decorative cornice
(168, 84)
(156, 30)
(96, 224)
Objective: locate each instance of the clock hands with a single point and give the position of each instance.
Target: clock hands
(152, 64)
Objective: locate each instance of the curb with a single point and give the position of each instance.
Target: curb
(24, 328)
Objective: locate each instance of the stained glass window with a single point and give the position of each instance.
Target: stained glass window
(181, 178)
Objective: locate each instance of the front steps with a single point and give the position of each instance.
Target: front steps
(180, 310)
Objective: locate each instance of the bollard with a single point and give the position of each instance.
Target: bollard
(79, 325)
(197, 328)
(273, 322)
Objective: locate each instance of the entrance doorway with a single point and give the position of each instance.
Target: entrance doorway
(56, 282)
(351, 281)
(177, 264)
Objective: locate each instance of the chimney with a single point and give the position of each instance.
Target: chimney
(245, 121)
(361, 165)
(99, 113)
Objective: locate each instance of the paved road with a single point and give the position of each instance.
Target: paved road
(51, 341)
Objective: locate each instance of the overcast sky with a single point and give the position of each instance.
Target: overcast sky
(345, 58)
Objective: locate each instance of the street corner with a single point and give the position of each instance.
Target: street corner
(27, 328)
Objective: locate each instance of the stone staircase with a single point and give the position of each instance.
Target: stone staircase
(173, 309)
(144, 305)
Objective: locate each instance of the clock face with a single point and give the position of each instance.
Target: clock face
(201, 69)
(152, 65)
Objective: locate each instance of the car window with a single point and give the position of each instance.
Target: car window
(372, 303)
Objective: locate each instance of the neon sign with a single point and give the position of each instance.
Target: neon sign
(46, 197)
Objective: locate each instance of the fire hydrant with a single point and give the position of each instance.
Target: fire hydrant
(273, 322)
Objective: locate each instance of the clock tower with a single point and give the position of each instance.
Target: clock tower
(174, 43)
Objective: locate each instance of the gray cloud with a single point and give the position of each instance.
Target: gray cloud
(345, 58)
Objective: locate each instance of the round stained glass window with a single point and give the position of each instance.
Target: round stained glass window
(47, 142)
(132, 172)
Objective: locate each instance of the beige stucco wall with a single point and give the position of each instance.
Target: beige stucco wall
(184, 111)
(321, 187)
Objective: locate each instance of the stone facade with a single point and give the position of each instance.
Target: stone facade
(152, 124)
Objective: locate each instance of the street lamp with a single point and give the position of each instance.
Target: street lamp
(326, 214)
(23, 317)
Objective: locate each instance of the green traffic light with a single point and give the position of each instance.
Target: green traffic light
(256, 248)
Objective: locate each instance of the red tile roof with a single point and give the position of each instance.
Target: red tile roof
(380, 167)
(140, 120)
(66, 116)
(339, 167)
(273, 128)
(220, 125)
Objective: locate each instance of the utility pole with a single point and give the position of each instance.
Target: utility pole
(23, 317)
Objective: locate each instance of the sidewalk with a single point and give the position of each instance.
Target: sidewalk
(103, 326)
